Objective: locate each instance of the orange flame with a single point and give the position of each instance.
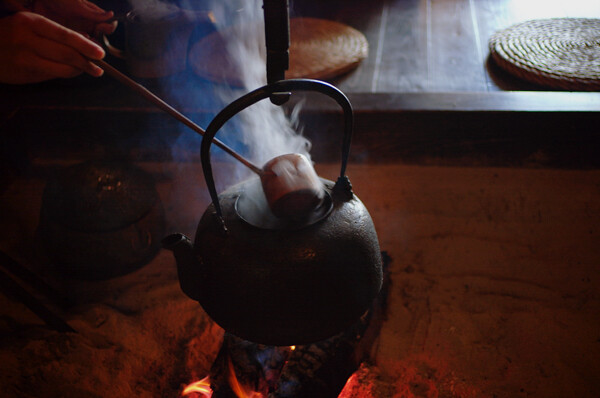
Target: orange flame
(200, 386)
(239, 390)
(203, 386)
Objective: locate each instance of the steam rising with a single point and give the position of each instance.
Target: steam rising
(259, 133)
(262, 131)
(266, 130)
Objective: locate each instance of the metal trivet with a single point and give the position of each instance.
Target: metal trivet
(561, 53)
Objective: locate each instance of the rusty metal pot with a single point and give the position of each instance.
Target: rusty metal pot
(101, 219)
(281, 281)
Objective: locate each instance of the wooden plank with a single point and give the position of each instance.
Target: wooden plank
(453, 56)
(517, 129)
(361, 15)
(491, 16)
(502, 129)
(520, 101)
(402, 55)
(368, 18)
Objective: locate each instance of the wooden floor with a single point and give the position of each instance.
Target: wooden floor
(435, 45)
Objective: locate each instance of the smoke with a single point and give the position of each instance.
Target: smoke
(263, 130)
(152, 10)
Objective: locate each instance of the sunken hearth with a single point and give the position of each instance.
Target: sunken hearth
(137, 334)
(494, 293)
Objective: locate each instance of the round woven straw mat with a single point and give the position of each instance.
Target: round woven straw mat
(319, 49)
(562, 53)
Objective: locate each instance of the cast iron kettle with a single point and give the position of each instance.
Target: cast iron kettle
(280, 282)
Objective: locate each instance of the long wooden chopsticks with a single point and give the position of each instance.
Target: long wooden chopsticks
(13, 288)
(154, 99)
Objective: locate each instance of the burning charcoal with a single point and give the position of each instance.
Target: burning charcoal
(320, 370)
(243, 366)
(317, 370)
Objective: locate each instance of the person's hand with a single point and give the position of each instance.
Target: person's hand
(79, 15)
(34, 48)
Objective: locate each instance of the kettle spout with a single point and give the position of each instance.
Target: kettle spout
(188, 266)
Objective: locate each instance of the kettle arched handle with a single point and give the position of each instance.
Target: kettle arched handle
(265, 92)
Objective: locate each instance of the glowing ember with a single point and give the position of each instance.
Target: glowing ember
(200, 387)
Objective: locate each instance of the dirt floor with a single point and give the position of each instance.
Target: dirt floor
(495, 292)
(496, 280)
